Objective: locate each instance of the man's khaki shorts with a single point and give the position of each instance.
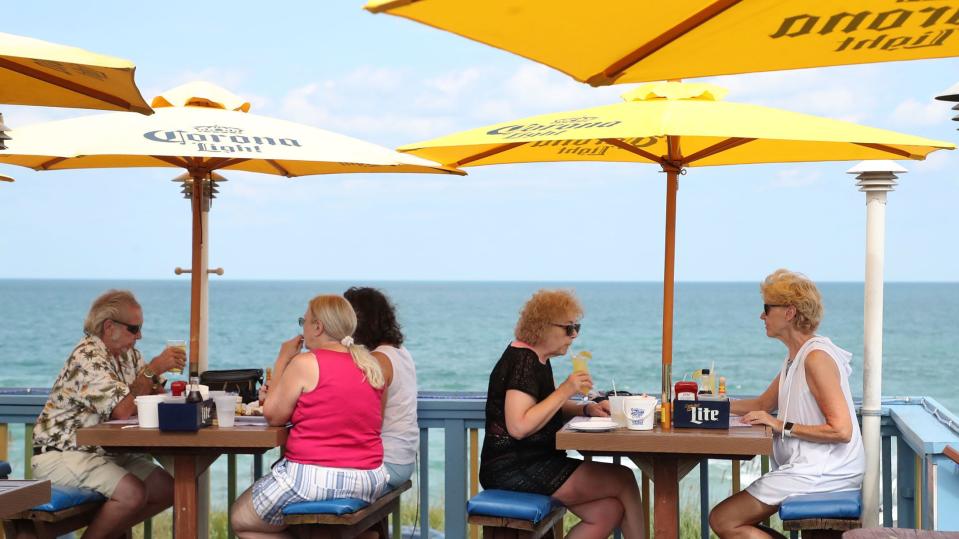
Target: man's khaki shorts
(90, 470)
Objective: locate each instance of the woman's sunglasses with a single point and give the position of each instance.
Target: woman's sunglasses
(767, 306)
(571, 329)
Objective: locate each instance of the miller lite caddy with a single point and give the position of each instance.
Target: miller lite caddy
(705, 413)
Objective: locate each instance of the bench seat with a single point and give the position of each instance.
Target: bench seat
(822, 515)
(505, 514)
(69, 509)
(343, 518)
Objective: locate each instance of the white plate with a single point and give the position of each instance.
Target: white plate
(593, 426)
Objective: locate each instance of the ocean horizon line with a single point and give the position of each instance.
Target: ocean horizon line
(360, 281)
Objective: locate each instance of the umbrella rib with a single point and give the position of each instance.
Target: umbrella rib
(390, 5)
(175, 161)
(633, 149)
(487, 153)
(279, 168)
(719, 147)
(66, 84)
(615, 70)
(889, 149)
(47, 164)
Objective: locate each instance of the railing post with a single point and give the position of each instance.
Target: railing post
(474, 474)
(905, 485)
(424, 479)
(455, 491)
(230, 491)
(704, 498)
(886, 481)
(4, 442)
(737, 476)
(28, 451)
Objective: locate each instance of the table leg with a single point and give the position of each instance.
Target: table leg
(666, 497)
(184, 496)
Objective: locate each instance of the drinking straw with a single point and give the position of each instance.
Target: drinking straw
(712, 377)
(614, 387)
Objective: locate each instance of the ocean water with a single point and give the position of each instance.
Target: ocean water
(456, 331)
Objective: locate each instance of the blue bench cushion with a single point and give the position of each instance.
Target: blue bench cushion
(338, 506)
(63, 497)
(5, 469)
(845, 504)
(510, 504)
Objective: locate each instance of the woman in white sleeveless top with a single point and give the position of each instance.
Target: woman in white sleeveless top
(817, 446)
(378, 330)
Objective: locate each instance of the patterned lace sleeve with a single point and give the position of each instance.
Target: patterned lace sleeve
(522, 375)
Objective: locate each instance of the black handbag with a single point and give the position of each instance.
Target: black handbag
(241, 381)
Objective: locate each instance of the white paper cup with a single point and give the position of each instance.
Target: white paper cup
(147, 411)
(640, 412)
(616, 409)
(204, 391)
(225, 410)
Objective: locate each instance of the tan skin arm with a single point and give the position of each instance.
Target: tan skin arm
(293, 374)
(168, 359)
(822, 377)
(525, 416)
(767, 402)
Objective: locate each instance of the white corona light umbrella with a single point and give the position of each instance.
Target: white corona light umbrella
(202, 128)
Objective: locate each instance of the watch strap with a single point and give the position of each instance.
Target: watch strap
(788, 429)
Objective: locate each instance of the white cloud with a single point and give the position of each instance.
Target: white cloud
(792, 179)
(936, 162)
(921, 114)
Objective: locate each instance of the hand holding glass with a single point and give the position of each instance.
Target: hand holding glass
(182, 346)
(581, 364)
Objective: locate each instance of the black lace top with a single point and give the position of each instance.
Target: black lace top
(532, 464)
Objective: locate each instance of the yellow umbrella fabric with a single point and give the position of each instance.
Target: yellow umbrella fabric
(35, 72)
(675, 125)
(620, 41)
(202, 128)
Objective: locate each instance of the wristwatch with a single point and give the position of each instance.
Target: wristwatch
(788, 429)
(148, 373)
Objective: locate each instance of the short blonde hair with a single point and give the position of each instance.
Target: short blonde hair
(545, 308)
(784, 287)
(339, 321)
(107, 307)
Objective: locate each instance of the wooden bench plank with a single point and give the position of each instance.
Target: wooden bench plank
(839, 524)
(503, 527)
(351, 518)
(347, 526)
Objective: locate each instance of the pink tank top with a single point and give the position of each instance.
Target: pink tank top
(338, 424)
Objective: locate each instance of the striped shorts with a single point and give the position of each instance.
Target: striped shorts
(292, 482)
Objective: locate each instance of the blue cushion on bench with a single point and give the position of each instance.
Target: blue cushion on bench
(510, 504)
(5, 469)
(845, 504)
(338, 506)
(62, 497)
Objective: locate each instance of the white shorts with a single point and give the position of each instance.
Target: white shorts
(291, 482)
(776, 486)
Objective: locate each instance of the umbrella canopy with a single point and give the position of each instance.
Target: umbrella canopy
(202, 128)
(674, 125)
(35, 72)
(618, 41)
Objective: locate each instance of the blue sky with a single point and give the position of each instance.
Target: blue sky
(391, 81)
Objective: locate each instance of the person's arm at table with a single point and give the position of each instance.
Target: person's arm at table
(293, 373)
(525, 416)
(767, 402)
(822, 377)
(143, 385)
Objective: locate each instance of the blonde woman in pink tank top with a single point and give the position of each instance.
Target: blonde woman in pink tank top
(334, 449)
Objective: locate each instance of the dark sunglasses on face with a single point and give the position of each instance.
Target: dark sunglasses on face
(302, 321)
(132, 328)
(767, 306)
(571, 329)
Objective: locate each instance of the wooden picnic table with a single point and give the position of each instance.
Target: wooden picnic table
(667, 456)
(20, 495)
(192, 453)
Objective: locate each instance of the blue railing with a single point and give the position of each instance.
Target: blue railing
(920, 482)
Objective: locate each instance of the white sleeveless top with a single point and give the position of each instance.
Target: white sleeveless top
(841, 464)
(401, 434)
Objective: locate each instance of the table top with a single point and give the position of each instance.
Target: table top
(243, 439)
(733, 442)
(18, 495)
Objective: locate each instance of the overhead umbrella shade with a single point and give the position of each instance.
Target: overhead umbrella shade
(35, 72)
(202, 128)
(675, 126)
(619, 41)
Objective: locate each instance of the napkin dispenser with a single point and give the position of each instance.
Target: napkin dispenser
(185, 416)
(701, 414)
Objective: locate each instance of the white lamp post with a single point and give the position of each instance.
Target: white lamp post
(875, 178)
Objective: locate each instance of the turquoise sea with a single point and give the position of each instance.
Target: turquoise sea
(457, 330)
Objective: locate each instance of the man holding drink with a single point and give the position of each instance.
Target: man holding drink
(99, 382)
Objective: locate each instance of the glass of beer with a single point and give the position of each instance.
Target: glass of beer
(182, 346)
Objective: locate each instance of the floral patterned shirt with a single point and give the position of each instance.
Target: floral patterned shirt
(90, 385)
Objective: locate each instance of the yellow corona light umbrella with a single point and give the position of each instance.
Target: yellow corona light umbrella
(617, 41)
(673, 125)
(35, 72)
(202, 128)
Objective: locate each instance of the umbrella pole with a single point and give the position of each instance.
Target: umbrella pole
(196, 284)
(672, 186)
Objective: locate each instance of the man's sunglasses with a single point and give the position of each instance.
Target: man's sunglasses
(571, 329)
(767, 306)
(132, 328)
